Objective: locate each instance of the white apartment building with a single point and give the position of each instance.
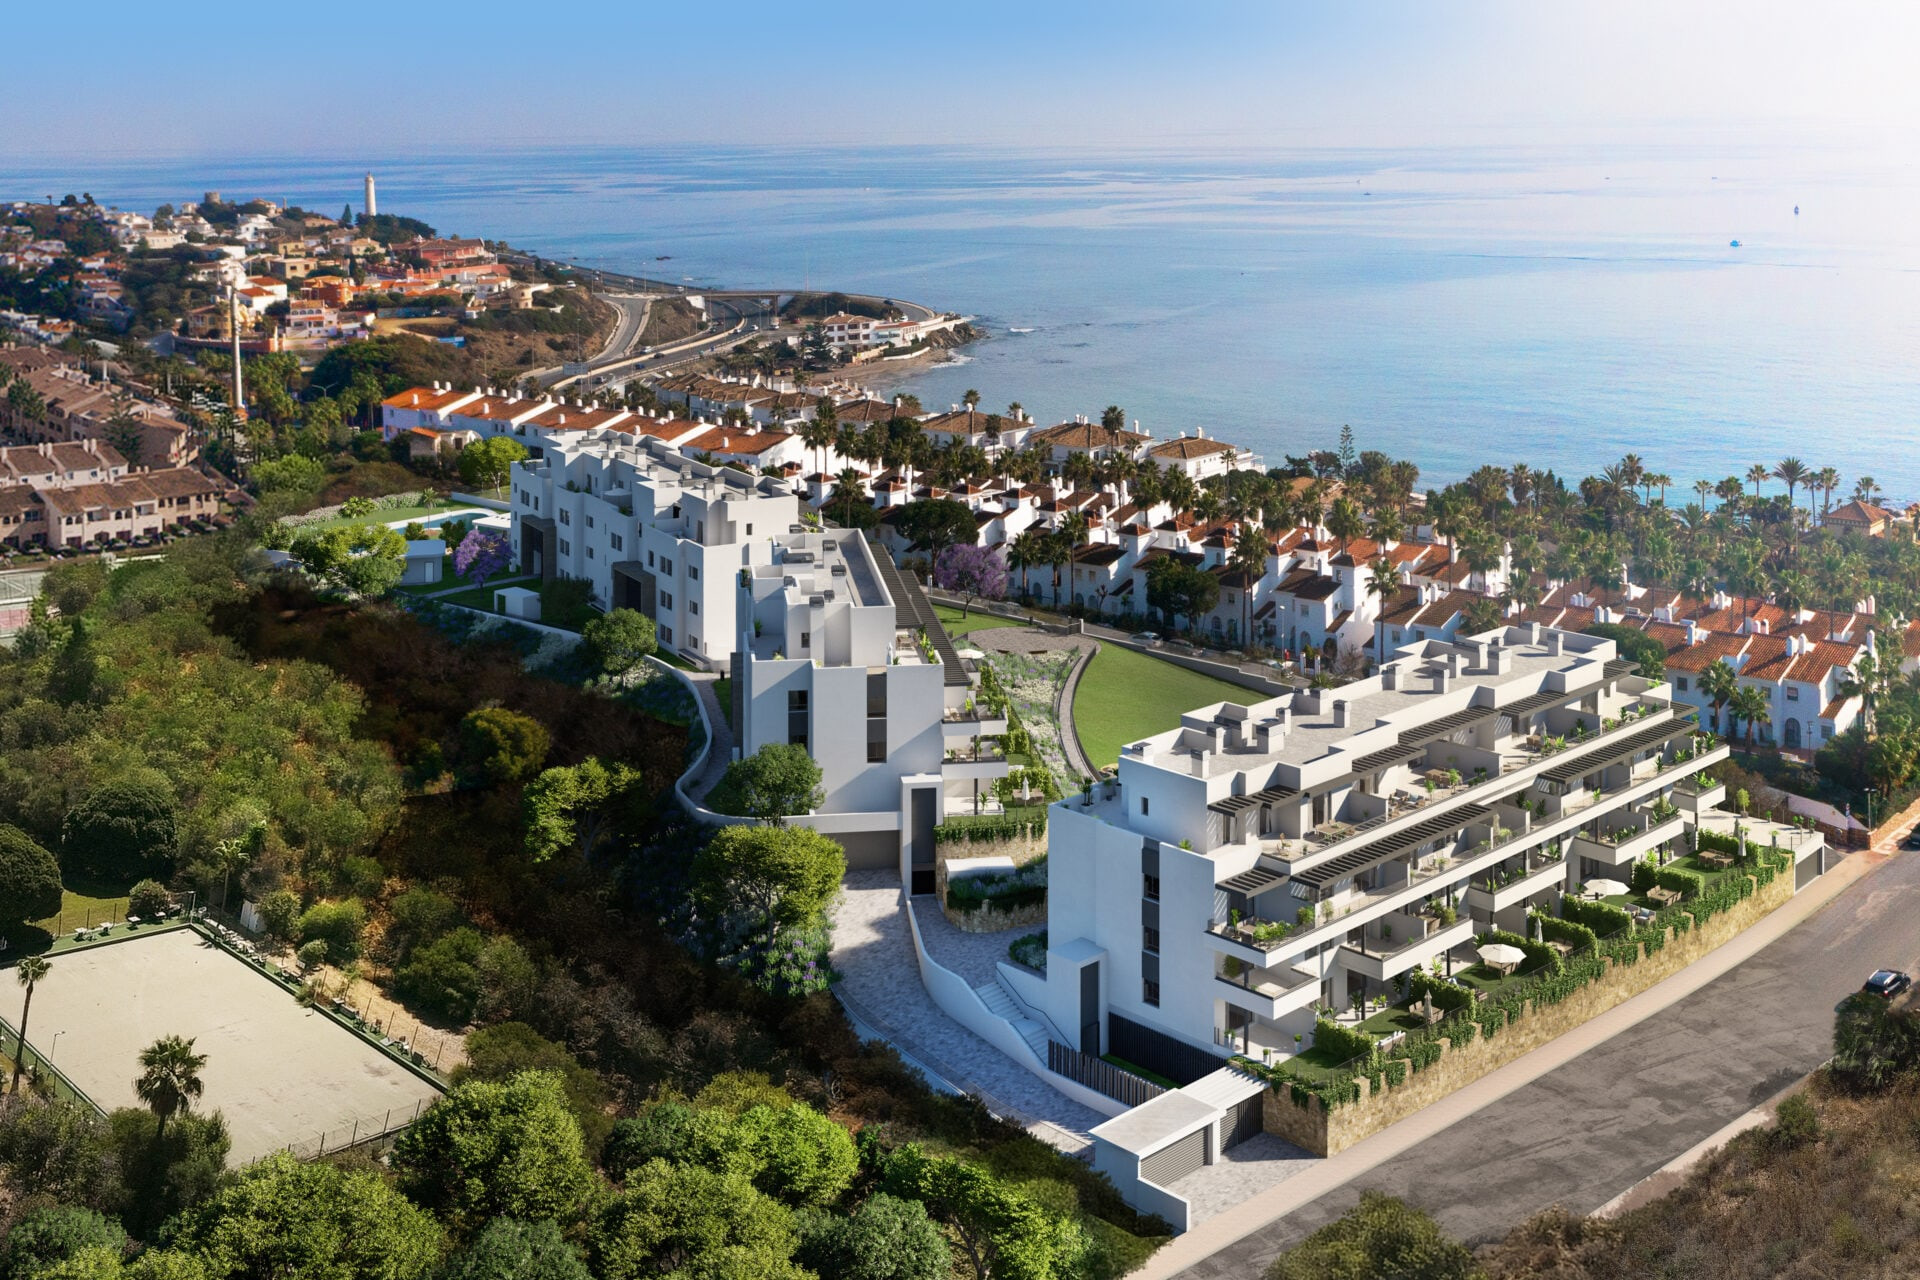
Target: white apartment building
(651, 529)
(840, 653)
(1264, 860)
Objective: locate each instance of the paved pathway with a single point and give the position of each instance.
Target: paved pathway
(720, 751)
(974, 956)
(873, 954)
(1594, 1112)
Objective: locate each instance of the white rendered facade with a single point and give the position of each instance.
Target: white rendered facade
(649, 529)
(833, 652)
(1182, 886)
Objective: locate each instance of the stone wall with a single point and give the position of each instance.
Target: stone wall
(1313, 1128)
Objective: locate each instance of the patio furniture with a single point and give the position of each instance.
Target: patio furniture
(1663, 897)
(1714, 858)
(1503, 957)
(133, 922)
(1598, 889)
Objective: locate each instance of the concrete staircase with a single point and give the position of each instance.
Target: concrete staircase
(1001, 1004)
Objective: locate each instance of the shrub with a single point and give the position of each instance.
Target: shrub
(498, 745)
(1026, 886)
(149, 898)
(1688, 883)
(1445, 993)
(279, 913)
(1540, 956)
(1603, 918)
(992, 830)
(313, 954)
(363, 877)
(417, 917)
(1644, 877)
(1030, 950)
(1574, 934)
(566, 603)
(443, 977)
(1795, 1122)
(338, 924)
(1343, 1043)
(29, 878)
(48, 1236)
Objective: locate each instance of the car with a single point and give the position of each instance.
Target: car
(1147, 638)
(1887, 983)
(1912, 841)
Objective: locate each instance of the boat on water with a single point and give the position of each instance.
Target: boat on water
(1733, 244)
(1796, 211)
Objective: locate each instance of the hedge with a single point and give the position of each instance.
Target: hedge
(1603, 918)
(1539, 954)
(1718, 843)
(1026, 887)
(1645, 875)
(1446, 995)
(1571, 932)
(1340, 1041)
(987, 830)
(1688, 883)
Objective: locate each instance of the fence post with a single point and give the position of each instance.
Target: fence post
(355, 1137)
(321, 1147)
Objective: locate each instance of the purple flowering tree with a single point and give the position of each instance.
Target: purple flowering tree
(481, 555)
(971, 572)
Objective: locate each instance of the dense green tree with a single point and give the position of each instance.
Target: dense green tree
(1382, 1238)
(804, 1158)
(575, 808)
(935, 525)
(169, 1079)
(160, 1175)
(283, 1217)
(682, 1220)
(291, 474)
(513, 1250)
(779, 780)
(767, 875)
(338, 924)
(54, 1233)
(488, 463)
(442, 979)
(502, 746)
(1873, 1045)
(147, 899)
(29, 878)
(121, 827)
(1005, 1234)
(56, 1148)
(1176, 590)
(364, 560)
(417, 916)
(490, 1149)
(619, 641)
(505, 1049)
(885, 1239)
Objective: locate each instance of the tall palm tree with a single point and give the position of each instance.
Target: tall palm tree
(1757, 475)
(1024, 553)
(1705, 489)
(1381, 580)
(1250, 558)
(1058, 553)
(1718, 683)
(1344, 520)
(169, 1078)
(29, 971)
(1751, 706)
(1792, 473)
(1827, 479)
(1658, 480)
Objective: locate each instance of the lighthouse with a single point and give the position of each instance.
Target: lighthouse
(371, 210)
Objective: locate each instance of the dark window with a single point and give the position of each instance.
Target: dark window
(693, 571)
(876, 693)
(1143, 806)
(1150, 939)
(1150, 888)
(796, 699)
(1150, 992)
(806, 639)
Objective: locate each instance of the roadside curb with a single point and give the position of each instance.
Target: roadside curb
(1225, 1229)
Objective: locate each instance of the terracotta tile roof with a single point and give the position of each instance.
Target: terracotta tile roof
(1187, 448)
(732, 441)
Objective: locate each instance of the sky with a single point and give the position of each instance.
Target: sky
(216, 77)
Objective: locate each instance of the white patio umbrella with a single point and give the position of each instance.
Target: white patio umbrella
(1606, 888)
(1502, 953)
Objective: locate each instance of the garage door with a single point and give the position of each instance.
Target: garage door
(1171, 1163)
(1244, 1121)
(871, 850)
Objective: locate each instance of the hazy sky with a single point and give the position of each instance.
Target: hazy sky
(376, 80)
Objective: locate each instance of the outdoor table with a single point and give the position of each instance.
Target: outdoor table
(133, 922)
(1663, 896)
(1714, 858)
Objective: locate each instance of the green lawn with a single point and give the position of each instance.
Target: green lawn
(477, 597)
(1124, 696)
(723, 690)
(958, 626)
(387, 515)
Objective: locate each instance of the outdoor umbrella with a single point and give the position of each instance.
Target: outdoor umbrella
(1605, 888)
(1502, 953)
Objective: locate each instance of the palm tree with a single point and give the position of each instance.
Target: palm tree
(970, 399)
(1659, 480)
(1250, 558)
(1827, 479)
(1866, 489)
(1058, 552)
(1344, 520)
(169, 1078)
(29, 971)
(1751, 705)
(1705, 489)
(1381, 580)
(1757, 475)
(1792, 473)
(1025, 552)
(1718, 682)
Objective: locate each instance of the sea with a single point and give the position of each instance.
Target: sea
(1705, 308)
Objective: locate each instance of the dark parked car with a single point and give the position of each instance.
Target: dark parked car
(1887, 983)
(1912, 841)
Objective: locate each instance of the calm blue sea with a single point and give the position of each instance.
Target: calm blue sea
(1560, 307)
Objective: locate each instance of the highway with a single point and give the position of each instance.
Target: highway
(1591, 1128)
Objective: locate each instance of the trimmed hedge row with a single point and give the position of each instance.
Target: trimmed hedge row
(1343, 1042)
(1689, 883)
(1571, 932)
(1446, 994)
(988, 830)
(1026, 887)
(1539, 955)
(1603, 918)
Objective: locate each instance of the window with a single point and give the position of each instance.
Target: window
(666, 635)
(565, 550)
(806, 639)
(619, 543)
(666, 566)
(1793, 693)
(1150, 938)
(1150, 888)
(666, 597)
(796, 699)
(649, 559)
(693, 606)
(1681, 684)
(589, 522)
(566, 516)
(749, 531)
(693, 572)
(1143, 806)
(589, 553)
(1150, 992)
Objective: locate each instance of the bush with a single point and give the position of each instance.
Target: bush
(149, 898)
(885, 1239)
(1644, 877)
(29, 878)
(1687, 883)
(1603, 918)
(1446, 994)
(279, 913)
(338, 924)
(1023, 887)
(442, 979)
(500, 746)
(499, 1052)
(1574, 934)
(1873, 1046)
(363, 877)
(566, 603)
(1795, 1122)
(313, 954)
(1342, 1043)
(1030, 950)
(992, 830)
(417, 917)
(1540, 956)
(51, 1235)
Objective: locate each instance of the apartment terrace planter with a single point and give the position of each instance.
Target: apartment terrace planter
(1629, 851)
(1381, 965)
(1696, 799)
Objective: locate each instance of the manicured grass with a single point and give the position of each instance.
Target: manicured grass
(480, 598)
(387, 515)
(958, 626)
(1125, 696)
(1138, 1070)
(1395, 1017)
(1318, 1065)
(723, 690)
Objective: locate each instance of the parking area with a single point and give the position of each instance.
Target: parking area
(282, 1074)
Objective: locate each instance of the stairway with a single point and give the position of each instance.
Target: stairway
(1001, 1004)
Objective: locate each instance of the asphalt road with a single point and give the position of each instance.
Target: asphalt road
(1585, 1132)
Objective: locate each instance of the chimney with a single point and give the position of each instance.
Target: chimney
(1553, 644)
(1441, 680)
(1339, 713)
(1453, 664)
(1693, 632)
(1199, 762)
(1533, 633)
(1390, 677)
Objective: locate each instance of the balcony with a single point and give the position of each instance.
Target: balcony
(959, 724)
(1626, 843)
(976, 761)
(1694, 798)
(1269, 993)
(1540, 870)
(1413, 941)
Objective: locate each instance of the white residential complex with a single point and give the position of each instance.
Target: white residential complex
(651, 529)
(1262, 860)
(841, 654)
